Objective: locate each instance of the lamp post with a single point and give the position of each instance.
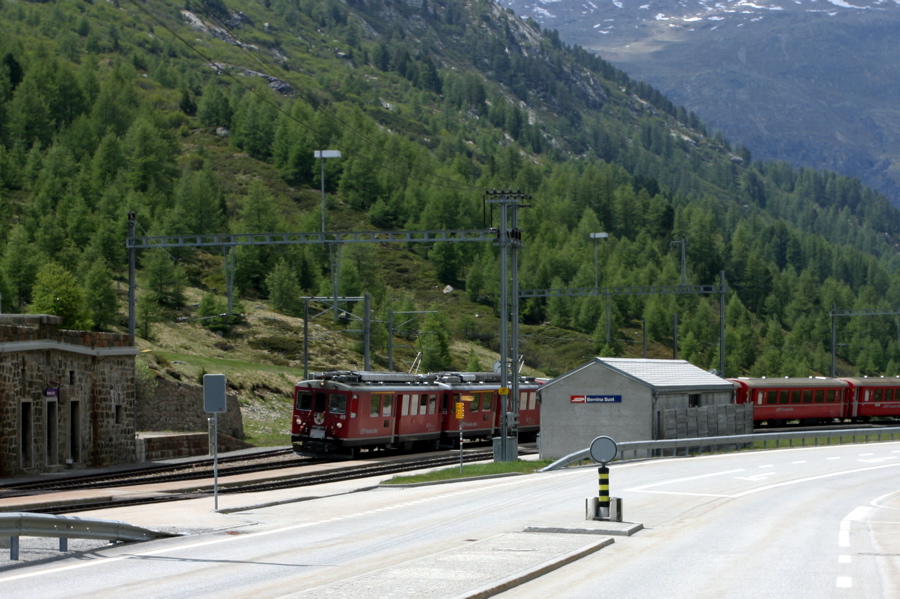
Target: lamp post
(322, 155)
(595, 237)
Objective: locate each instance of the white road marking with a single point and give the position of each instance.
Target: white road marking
(768, 466)
(679, 480)
(756, 477)
(799, 462)
(833, 458)
(845, 559)
(844, 582)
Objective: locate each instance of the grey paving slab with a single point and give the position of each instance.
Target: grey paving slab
(481, 569)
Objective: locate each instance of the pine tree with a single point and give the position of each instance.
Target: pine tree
(57, 292)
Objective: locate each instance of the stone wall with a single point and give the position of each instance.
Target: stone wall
(66, 397)
(178, 406)
(162, 446)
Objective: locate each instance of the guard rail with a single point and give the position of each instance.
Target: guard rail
(16, 524)
(728, 443)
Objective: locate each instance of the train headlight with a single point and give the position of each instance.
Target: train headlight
(339, 425)
(298, 421)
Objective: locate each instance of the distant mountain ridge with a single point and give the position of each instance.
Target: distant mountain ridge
(812, 82)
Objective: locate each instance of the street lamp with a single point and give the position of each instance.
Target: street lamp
(322, 155)
(595, 237)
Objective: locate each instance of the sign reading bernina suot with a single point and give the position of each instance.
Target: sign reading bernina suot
(595, 399)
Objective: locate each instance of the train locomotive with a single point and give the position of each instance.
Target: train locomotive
(339, 413)
(819, 400)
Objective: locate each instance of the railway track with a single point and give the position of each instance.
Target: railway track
(340, 473)
(197, 469)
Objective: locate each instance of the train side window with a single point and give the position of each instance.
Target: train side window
(532, 400)
(879, 394)
(818, 396)
(320, 402)
(432, 403)
(476, 397)
(304, 401)
(772, 397)
(829, 396)
(388, 407)
(423, 404)
(337, 404)
(784, 397)
(413, 405)
(375, 408)
(807, 396)
(486, 401)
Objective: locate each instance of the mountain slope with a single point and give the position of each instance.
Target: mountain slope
(813, 83)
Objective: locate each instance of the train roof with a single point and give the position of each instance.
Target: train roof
(873, 381)
(365, 376)
(792, 382)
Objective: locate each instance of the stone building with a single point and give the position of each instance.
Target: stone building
(636, 400)
(67, 398)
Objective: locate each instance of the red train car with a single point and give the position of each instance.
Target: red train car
(341, 412)
(873, 398)
(776, 401)
(480, 393)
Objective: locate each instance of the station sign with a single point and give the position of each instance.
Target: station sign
(595, 399)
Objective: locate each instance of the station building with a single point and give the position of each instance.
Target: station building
(636, 400)
(67, 398)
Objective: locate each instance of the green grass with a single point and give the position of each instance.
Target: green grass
(470, 471)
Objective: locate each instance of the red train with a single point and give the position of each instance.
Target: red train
(341, 412)
(819, 400)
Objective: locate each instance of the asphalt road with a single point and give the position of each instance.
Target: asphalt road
(815, 522)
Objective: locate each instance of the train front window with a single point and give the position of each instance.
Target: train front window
(337, 404)
(321, 402)
(304, 401)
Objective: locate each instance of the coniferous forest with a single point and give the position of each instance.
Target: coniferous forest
(203, 117)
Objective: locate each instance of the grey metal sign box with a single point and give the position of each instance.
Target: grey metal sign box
(214, 393)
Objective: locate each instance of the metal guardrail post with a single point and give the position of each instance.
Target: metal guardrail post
(16, 524)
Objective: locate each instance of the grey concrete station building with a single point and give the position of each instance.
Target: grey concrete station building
(636, 400)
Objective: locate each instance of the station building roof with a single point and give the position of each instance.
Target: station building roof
(663, 376)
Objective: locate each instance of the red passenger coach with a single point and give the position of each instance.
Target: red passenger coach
(873, 397)
(811, 400)
(341, 412)
(480, 394)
